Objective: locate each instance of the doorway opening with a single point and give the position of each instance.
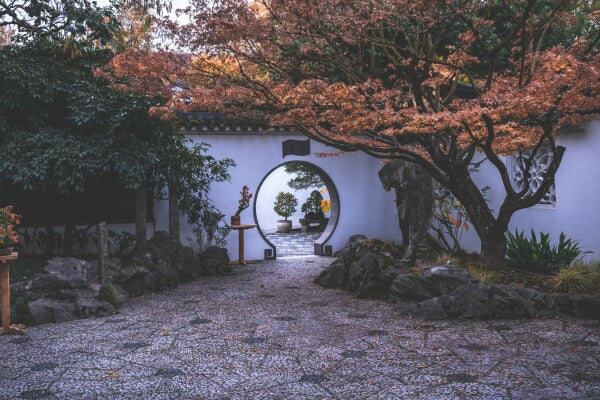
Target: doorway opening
(296, 209)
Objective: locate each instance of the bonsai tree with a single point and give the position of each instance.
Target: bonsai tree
(244, 201)
(312, 207)
(285, 204)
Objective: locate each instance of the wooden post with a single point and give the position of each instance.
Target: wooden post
(5, 290)
(241, 229)
(241, 247)
(5, 296)
(102, 251)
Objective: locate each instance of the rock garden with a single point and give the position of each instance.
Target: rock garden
(71, 288)
(372, 269)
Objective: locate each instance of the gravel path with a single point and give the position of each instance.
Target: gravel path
(267, 331)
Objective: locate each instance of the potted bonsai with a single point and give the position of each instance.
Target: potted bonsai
(285, 205)
(8, 235)
(242, 205)
(312, 210)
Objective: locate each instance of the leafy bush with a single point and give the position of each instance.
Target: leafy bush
(210, 231)
(120, 243)
(83, 237)
(285, 204)
(49, 241)
(539, 255)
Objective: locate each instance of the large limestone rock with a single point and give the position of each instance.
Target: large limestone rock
(89, 307)
(480, 300)
(72, 272)
(215, 261)
(365, 267)
(45, 310)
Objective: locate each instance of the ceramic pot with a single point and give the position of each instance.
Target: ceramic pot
(235, 220)
(6, 251)
(284, 226)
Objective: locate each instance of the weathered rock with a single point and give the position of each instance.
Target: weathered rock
(72, 294)
(187, 263)
(89, 307)
(215, 261)
(46, 310)
(579, 305)
(121, 295)
(368, 268)
(355, 238)
(70, 288)
(408, 287)
(373, 278)
(431, 309)
(443, 279)
(44, 283)
(72, 272)
(334, 276)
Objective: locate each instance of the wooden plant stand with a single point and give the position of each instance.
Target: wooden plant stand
(5, 290)
(241, 228)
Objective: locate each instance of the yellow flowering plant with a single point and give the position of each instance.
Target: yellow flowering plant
(325, 205)
(450, 219)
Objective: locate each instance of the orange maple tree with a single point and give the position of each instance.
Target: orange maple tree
(441, 83)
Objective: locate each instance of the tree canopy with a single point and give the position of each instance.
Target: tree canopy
(305, 177)
(61, 125)
(430, 82)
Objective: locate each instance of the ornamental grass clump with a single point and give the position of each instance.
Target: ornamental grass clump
(578, 278)
(538, 255)
(8, 222)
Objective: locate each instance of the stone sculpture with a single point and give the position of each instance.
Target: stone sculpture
(414, 201)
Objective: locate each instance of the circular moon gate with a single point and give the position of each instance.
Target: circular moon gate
(321, 248)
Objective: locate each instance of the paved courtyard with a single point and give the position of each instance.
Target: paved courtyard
(269, 332)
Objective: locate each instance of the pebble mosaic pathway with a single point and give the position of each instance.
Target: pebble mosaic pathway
(268, 332)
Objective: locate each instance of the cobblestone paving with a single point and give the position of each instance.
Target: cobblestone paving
(269, 332)
(293, 243)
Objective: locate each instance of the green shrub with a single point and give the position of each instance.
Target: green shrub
(285, 204)
(539, 255)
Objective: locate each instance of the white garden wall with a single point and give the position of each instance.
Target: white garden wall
(577, 209)
(365, 207)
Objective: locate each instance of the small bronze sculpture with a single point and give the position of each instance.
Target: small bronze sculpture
(414, 201)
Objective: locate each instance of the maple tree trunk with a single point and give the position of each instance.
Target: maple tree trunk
(490, 229)
(141, 214)
(493, 249)
(174, 230)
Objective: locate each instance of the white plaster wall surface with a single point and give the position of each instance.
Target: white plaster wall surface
(364, 206)
(577, 210)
